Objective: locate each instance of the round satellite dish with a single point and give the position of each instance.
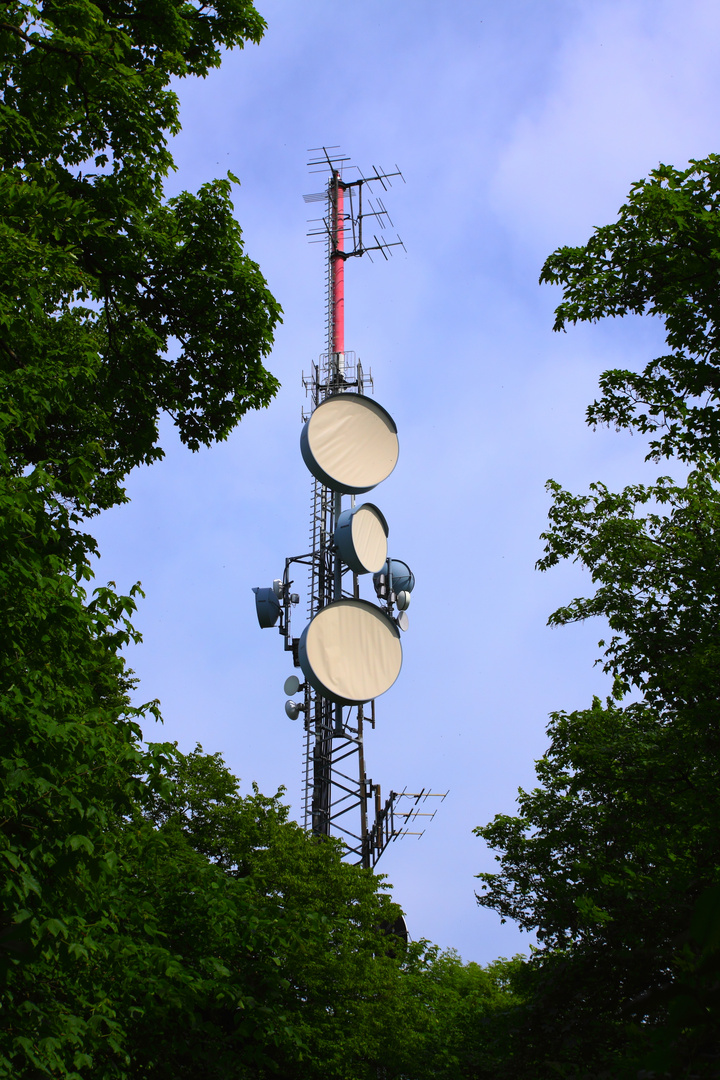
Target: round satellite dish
(292, 685)
(350, 652)
(403, 621)
(398, 928)
(361, 538)
(292, 709)
(350, 443)
(267, 607)
(403, 579)
(402, 600)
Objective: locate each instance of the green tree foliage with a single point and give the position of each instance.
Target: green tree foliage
(70, 759)
(661, 258)
(459, 1020)
(614, 858)
(331, 960)
(228, 943)
(354, 1000)
(116, 305)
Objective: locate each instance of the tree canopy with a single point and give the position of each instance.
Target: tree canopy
(660, 258)
(614, 858)
(116, 304)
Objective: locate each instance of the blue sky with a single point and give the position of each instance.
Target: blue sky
(519, 127)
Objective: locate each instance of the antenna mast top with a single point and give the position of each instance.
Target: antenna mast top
(349, 205)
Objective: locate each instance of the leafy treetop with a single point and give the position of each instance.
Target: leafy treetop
(613, 858)
(116, 305)
(661, 257)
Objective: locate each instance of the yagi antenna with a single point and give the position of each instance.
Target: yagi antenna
(355, 208)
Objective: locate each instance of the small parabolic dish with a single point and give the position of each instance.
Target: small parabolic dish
(402, 599)
(292, 684)
(403, 579)
(267, 607)
(292, 709)
(350, 443)
(361, 538)
(350, 652)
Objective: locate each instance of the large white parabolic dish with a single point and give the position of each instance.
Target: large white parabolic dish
(350, 443)
(350, 652)
(361, 538)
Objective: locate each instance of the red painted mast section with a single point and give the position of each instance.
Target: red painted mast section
(338, 273)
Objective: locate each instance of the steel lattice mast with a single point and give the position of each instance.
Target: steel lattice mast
(338, 797)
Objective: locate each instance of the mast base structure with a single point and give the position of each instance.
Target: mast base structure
(350, 650)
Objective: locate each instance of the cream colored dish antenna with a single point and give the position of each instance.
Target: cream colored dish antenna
(361, 538)
(350, 652)
(350, 443)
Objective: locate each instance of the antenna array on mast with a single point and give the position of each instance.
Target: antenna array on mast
(361, 204)
(350, 650)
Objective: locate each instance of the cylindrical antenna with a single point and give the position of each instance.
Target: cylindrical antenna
(337, 270)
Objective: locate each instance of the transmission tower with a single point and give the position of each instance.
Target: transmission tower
(350, 650)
